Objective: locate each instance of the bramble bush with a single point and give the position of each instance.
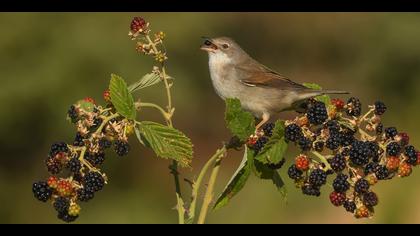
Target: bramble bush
(337, 141)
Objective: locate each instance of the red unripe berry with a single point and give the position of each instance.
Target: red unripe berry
(392, 163)
(89, 99)
(137, 24)
(64, 188)
(302, 162)
(251, 140)
(337, 199)
(338, 103)
(418, 158)
(52, 182)
(405, 139)
(404, 170)
(107, 95)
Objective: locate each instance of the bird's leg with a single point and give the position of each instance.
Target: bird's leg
(265, 117)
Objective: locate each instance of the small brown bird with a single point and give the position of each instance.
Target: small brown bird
(262, 91)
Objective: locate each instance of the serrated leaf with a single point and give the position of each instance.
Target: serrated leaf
(274, 150)
(236, 183)
(167, 142)
(120, 97)
(323, 98)
(279, 183)
(146, 81)
(240, 122)
(138, 135)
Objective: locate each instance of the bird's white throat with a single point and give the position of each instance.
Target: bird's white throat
(217, 62)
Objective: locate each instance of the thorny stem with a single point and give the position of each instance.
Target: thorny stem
(165, 114)
(197, 183)
(208, 197)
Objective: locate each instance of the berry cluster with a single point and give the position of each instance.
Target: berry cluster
(338, 140)
(74, 168)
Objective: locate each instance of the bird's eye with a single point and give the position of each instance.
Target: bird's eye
(225, 46)
(207, 43)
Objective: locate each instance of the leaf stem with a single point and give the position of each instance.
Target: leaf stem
(105, 121)
(322, 159)
(208, 197)
(197, 183)
(166, 115)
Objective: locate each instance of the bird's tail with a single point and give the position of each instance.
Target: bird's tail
(332, 92)
(313, 93)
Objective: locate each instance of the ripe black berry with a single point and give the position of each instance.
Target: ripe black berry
(337, 163)
(311, 190)
(66, 217)
(391, 132)
(305, 144)
(333, 126)
(347, 138)
(105, 143)
(370, 199)
(380, 108)
(411, 154)
(93, 181)
(53, 165)
(293, 132)
(350, 206)
(74, 165)
(294, 173)
(58, 147)
(258, 146)
(268, 129)
(78, 140)
(95, 159)
(73, 114)
(61, 205)
(354, 107)
(41, 191)
(361, 186)
(370, 168)
(96, 123)
(340, 184)
(319, 146)
(85, 194)
(318, 178)
(393, 149)
(381, 172)
(379, 128)
(359, 153)
(121, 148)
(317, 113)
(334, 141)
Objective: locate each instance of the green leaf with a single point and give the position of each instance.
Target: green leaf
(138, 135)
(236, 183)
(121, 98)
(167, 142)
(276, 147)
(263, 171)
(279, 183)
(240, 122)
(323, 98)
(146, 81)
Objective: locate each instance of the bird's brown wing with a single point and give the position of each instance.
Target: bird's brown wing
(255, 74)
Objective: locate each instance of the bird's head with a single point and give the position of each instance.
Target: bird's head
(223, 47)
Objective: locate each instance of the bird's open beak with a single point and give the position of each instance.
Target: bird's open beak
(208, 45)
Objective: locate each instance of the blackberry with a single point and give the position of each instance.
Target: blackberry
(370, 168)
(361, 186)
(78, 140)
(381, 172)
(354, 107)
(73, 114)
(41, 191)
(53, 165)
(58, 147)
(121, 148)
(379, 129)
(96, 123)
(318, 178)
(294, 172)
(61, 204)
(337, 199)
(411, 154)
(74, 165)
(359, 153)
(259, 145)
(333, 126)
(370, 199)
(347, 138)
(317, 113)
(137, 24)
(380, 108)
(334, 141)
(95, 159)
(373, 149)
(345, 151)
(340, 183)
(268, 129)
(405, 139)
(66, 217)
(305, 144)
(319, 146)
(350, 206)
(94, 181)
(293, 133)
(105, 143)
(391, 132)
(311, 190)
(85, 194)
(337, 163)
(393, 149)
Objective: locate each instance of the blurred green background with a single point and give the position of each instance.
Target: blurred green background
(50, 60)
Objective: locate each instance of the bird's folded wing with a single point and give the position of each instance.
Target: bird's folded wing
(254, 74)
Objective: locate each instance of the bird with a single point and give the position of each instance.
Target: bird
(261, 90)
